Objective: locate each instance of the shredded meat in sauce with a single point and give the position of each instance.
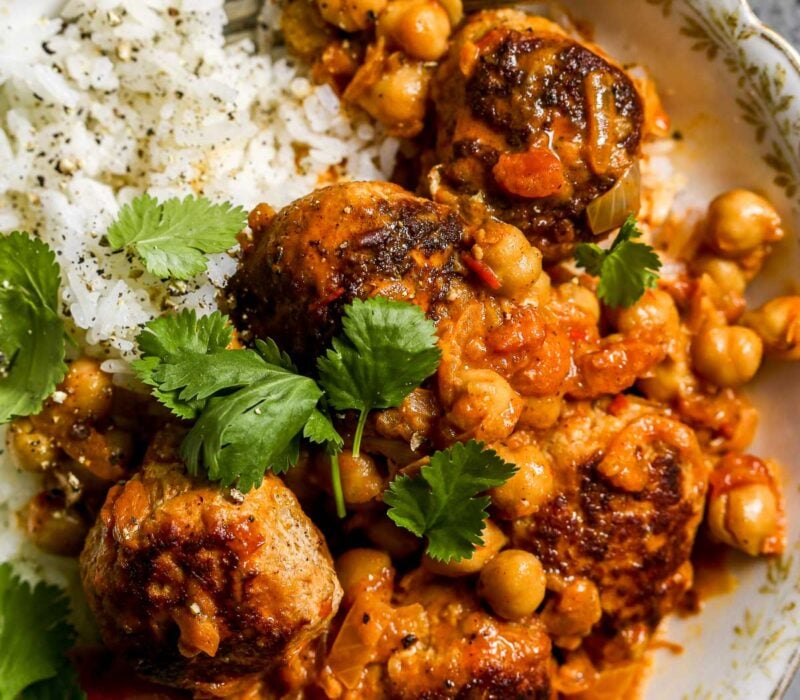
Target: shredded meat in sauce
(627, 426)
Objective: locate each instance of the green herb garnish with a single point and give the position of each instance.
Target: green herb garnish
(625, 270)
(31, 331)
(252, 407)
(250, 411)
(174, 237)
(443, 503)
(34, 638)
(388, 348)
(169, 338)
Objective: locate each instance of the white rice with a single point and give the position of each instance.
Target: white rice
(111, 98)
(118, 97)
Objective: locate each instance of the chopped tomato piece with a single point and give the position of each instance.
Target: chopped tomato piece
(618, 405)
(532, 174)
(322, 303)
(486, 273)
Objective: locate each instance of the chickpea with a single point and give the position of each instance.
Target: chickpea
(654, 313)
(33, 450)
(724, 282)
(739, 221)
(486, 406)
(362, 570)
(745, 517)
(513, 583)
(540, 412)
(778, 324)
(541, 290)
(54, 528)
(361, 479)
(530, 487)
(517, 264)
(351, 15)
(669, 380)
(574, 611)
(727, 356)
(454, 9)
(393, 90)
(493, 541)
(307, 34)
(727, 275)
(578, 296)
(303, 479)
(421, 28)
(120, 446)
(399, 543)
(88, 389)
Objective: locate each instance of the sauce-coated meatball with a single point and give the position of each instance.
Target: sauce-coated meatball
(532, 125)
(194, 585)
(352, 240)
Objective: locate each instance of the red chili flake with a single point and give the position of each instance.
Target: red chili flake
(618, 404)
(578, 333)
(486, 273)
(333, 296)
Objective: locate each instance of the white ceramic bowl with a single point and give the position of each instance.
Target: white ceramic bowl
(732, 88)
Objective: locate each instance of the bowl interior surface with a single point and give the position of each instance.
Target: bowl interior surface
(732, 89)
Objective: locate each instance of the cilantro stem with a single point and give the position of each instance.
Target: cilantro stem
(362, 421)
(336, 481)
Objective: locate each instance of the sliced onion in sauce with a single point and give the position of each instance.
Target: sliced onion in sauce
(611, 208)
(601, 109)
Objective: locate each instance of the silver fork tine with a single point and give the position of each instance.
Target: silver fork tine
(242, 19)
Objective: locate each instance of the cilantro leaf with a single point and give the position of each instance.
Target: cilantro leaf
(181, 336)
(250, 412)
(172, 238)
(65, 686)
(194, 378)
(272, 354)
(320, 430)
(184, 332)
(258, 426)
(388, 348)
(625, 270)
(443, 503)
(34, 637)
(31, 331)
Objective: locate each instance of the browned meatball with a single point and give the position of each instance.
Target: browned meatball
(194, 585)
(468, 652)
(350, 240)
(430, 639)
(630, 492)
(531, 126)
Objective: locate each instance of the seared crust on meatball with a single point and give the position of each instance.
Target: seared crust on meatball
(632, 484)
(531, 126)
(346, 241)
(468, 653)
(194, 586)
(431, 639)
